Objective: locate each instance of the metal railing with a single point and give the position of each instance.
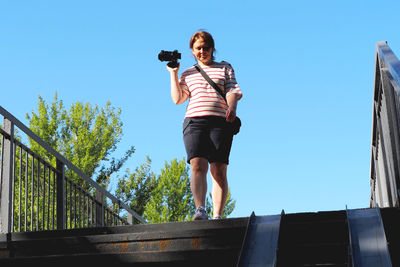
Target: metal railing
(385, 155)
(37, 196)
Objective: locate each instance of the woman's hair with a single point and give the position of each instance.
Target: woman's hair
(207, 38)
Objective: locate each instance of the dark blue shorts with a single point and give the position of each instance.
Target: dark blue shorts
(208, 137)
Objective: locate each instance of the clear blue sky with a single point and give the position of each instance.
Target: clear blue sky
(306, 69)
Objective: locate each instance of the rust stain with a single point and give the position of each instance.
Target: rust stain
(163, 244)
(124, 247)
(121, 247)
(142, 245)
(196, 243)
(4, 253)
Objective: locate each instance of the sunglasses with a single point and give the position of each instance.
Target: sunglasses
(205, 48)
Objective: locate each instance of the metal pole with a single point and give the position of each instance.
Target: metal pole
(130, 218)
(61, 220)
(100, 208)
(6, 178)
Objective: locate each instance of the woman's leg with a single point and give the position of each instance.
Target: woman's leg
(198, 182)
(220, 186)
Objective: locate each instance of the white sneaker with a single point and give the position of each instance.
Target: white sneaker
(217, 217)
(201, 214)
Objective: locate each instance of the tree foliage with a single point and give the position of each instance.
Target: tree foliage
(172, 199)
(136, 188)
(85, 134)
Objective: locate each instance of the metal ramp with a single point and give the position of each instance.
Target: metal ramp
(347, 238)
(261, 241)
(367, 238)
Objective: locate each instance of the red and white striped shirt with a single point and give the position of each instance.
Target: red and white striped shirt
(204, 100)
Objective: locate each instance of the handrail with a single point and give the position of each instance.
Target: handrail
(71, 166)
(385, 140)
(6, 135)
(390, 60)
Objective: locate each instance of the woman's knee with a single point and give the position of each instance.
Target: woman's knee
(218, 171)
(199, 165)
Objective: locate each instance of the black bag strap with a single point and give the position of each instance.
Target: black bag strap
(208, 79)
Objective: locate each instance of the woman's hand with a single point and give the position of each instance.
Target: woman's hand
(230, 115)
(173, 70)
(232, 100)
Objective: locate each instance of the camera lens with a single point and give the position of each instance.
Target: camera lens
(169, 56)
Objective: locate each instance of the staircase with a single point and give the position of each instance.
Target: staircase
(201, 243)
(304, 239)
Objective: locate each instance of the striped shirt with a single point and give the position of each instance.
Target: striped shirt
(204, 100)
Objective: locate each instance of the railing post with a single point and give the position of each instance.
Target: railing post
(130, 218)
(100, 208)
(6, 178)
(61, 218)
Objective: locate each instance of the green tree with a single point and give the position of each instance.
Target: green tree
(136, 188)
(172, 199)
(85, 134)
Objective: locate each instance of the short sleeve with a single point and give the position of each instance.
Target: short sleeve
(231, 85)
(183, 84)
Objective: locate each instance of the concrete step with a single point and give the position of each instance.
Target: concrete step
(146, 241)
(153, 243)
(203, 257)
(305, 239)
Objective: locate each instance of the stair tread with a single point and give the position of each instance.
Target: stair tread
(157, 227)
(183, 256)
(222, 235)
(125, 237)
(195, 243)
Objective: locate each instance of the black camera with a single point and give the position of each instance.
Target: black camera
(171, 56)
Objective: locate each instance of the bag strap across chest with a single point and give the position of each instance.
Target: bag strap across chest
(211, 82)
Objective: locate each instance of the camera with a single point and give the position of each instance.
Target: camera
(171, 56)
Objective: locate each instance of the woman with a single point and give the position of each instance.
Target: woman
(207, 128)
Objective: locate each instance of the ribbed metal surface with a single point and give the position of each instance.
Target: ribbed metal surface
(385, 145)
(260, 246)
(368, 240)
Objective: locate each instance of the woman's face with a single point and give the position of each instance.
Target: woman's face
(202, 52)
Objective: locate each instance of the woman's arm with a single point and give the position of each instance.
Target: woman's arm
(233, 93)
(177, 94)
(232, 100)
